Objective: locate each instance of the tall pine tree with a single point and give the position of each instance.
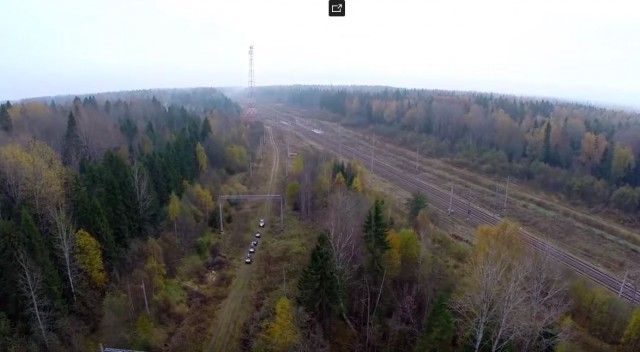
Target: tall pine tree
(35, 247)
(318, 284)
(439, 328)
(72, 146)
(375, 239)
(205, 130)
(6, 124)
(91, 217)
(546, 151)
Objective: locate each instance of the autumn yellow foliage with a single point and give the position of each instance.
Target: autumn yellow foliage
(33, 173)
(340, 181)
(502, 238)
(89, 258)
(298, 164)
(174, 207)
(356, 185)
(202, 157)
(392, 256)
(282, 332)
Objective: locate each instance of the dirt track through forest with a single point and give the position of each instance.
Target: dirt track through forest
(230, 317)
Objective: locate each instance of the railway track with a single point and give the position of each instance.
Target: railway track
(477, 215)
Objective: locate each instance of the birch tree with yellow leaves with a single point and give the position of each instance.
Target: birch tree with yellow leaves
(33, 173)
(510, 295)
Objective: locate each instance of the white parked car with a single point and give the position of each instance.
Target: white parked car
(258, 235)
(248, 260)
(252, 250)
(261, 223)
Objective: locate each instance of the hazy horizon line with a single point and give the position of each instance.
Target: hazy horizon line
(560, 99)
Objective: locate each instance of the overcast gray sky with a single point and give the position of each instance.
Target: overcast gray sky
(587, 50)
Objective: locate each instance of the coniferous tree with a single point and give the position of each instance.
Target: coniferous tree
(415, 204)
(119, 199)
(6, 124)
(72, 147)
(603, 169)
(205, 130)
(546, 152)
(9, 244)
(375, 238)
(35, 248)
(90, 216)
(439, 328)
(318, 284)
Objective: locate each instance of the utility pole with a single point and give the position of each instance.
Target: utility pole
(468, 202)
(373, 147)
(220, 212)
(250, 169)
(450, 210)
(495, 198)
(418, 147)
(339, 142)
(284, 283)
(261, 146)
(506, 196)
(286, 139)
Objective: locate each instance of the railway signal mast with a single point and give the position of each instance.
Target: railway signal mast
(450, 210)
(469, 195)
(251, 104)
(495, 200)
(373, 148)
(506, 197)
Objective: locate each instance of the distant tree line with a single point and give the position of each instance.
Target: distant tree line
(585, 152)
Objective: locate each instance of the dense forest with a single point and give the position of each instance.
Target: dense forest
(395, 281)
(107, 219)
(587, 153)
(100, 195)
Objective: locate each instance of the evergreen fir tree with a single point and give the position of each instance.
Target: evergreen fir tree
(205, 130)
(546, 151)
(375, 239)
(439, 328)
(72, 148)
(36, 248)
(318, 284)
(6, 124)
(91, 217)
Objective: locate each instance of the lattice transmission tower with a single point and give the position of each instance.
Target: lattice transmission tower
(251, 104)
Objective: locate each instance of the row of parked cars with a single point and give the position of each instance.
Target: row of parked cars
(254, 243)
